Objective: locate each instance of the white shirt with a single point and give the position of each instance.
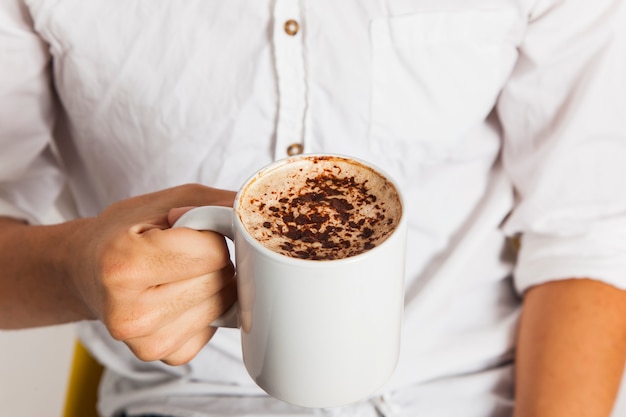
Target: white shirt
(497, 118)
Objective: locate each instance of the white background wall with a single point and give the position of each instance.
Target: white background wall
(34, 371)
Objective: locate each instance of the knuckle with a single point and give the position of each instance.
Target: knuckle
(150, 351)
(178, 359)
(119, 333)
(186, 351)
(115, 262)
(122, 331)
(127, 325)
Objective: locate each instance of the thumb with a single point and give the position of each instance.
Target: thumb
(176, 213)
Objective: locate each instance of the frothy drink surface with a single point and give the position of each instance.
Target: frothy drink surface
(320, 208)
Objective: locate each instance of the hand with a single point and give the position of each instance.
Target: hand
(155, 288)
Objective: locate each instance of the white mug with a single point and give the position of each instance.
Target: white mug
(315, 333)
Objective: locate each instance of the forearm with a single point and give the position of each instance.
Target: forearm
(35, 286)
(571, 349)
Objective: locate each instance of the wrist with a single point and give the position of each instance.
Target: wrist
(69, 246)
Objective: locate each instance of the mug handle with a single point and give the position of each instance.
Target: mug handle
(217, 219)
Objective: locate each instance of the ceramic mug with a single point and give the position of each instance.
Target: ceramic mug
(315, 332)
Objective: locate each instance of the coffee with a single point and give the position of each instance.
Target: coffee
(320, 208)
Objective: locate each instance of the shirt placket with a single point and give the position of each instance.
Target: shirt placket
(289, 60)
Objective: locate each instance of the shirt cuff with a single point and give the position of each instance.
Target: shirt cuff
(598, 254)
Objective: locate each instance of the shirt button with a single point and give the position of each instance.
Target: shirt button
(294, 149)
(291, 27)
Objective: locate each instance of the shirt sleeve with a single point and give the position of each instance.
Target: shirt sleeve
(563, 114)
(30, 177)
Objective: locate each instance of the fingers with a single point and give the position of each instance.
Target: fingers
(182, 253)
(167, 287)
(188, 195)
(180, 340)
(151, 210)
(186, 352)
(144, 313)
(181, 329)
(136, 262)
(200, 195)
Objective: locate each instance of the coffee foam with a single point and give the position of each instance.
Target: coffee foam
(320, 208)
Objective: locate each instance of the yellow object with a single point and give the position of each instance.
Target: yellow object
(82, 392)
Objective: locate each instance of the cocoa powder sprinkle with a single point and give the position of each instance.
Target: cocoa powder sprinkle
(307, 218)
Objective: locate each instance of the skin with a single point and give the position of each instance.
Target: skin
(155, 288)
(571, 349)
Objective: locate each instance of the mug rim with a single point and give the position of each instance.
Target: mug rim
(318, 262)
